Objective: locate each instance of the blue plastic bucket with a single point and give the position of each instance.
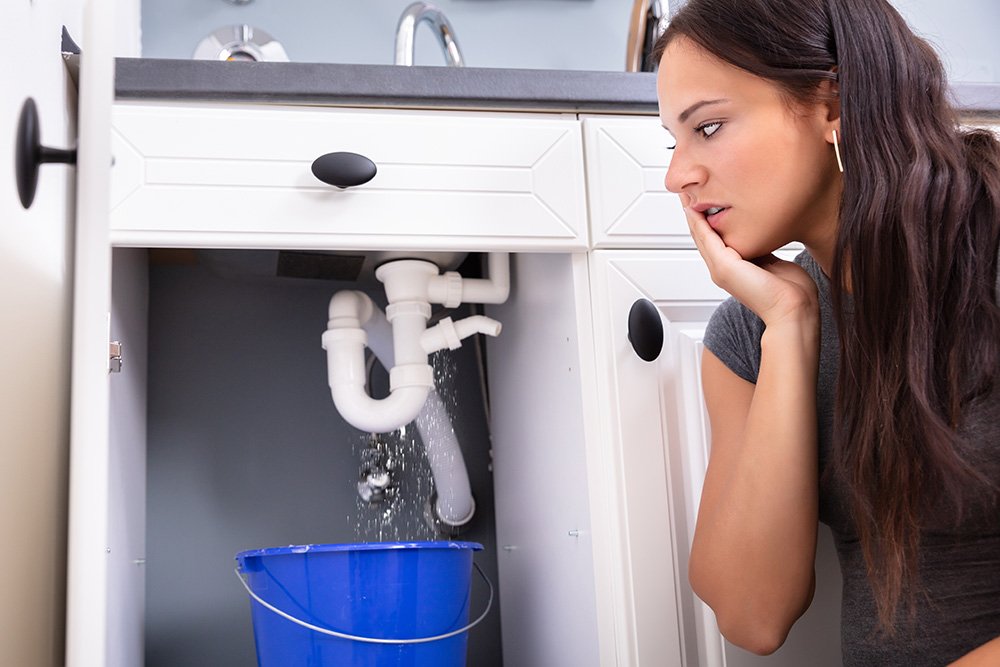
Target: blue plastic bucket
(390, 604)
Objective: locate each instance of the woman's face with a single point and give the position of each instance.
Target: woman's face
(741, 148)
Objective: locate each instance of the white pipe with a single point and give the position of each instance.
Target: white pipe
(455, 505)
(411, 285)
(345, 340)
(496, 287)
(451, 289)
(449, 334)
(474, 324)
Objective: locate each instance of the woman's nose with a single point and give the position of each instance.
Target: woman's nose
(682, 173)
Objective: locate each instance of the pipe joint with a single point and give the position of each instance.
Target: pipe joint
(406, 279)
(333, 336)
(450, 334)
(411, 375)
(349, 309)
(446, 289)
(404, 308)
(442, 335)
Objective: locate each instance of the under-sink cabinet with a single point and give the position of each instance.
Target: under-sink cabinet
(597, 456)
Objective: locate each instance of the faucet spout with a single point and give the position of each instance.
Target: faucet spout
(412, 16)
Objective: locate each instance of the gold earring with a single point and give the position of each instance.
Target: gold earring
(836, 150)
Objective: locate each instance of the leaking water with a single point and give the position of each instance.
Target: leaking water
(394, 480)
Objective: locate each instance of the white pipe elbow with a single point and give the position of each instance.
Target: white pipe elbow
(349, 309)
(449, 334)
(451, 289)
(474, 324)
(495, 288)
(378, 415)
(345, 341)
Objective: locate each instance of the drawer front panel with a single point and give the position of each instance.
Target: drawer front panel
(627, 160)
(185, 174)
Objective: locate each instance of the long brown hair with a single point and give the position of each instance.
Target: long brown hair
(917, 243)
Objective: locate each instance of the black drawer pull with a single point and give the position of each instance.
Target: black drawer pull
(343, 169)
(30, 154)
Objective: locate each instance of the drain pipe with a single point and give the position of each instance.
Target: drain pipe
(344, 342)
(455, 505)
(410, 286)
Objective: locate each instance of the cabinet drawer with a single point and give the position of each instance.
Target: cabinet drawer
(240, 175)
(627, 160)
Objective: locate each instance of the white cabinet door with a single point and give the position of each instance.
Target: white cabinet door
(206, 175)
(90, 593)
(35, 295)
(658, 443)
(630, 207)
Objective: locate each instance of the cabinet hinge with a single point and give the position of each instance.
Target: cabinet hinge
(115, 357)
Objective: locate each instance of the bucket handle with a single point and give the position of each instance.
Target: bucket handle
(371, 640)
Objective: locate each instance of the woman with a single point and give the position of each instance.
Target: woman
(859, 385)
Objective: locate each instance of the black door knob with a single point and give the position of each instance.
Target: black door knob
(645, 329)
(30, 154)
(343, 169)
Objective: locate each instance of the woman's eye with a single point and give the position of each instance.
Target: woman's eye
(708, 129)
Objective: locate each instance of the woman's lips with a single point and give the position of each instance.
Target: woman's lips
(716, 219)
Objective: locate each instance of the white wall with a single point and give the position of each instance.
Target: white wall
(533, 34)
(541, 34)
(964, 32)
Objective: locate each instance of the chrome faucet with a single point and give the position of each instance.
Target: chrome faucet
(411, 17)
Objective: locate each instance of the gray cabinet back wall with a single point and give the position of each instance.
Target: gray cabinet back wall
(246, 450)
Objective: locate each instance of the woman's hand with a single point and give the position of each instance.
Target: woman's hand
(776, 290)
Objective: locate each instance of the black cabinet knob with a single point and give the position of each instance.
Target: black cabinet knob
(645, 329)
(30, 154)
(343, 169)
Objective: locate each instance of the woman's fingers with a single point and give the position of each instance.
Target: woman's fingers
(767, 285)
(708, 242)
(724, 264)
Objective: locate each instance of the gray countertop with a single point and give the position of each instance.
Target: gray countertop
(423, 87)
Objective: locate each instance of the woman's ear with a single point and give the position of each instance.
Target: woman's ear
(829, 96)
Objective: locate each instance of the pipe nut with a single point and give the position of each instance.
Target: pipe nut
(448, 289)
(447, 328)
(394, 310)
(348, 335)
(411, 375)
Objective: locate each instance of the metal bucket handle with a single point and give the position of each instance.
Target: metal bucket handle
(371, 640)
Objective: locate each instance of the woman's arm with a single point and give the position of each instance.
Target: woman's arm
(754, 547)
(755, 540)
(987, 655)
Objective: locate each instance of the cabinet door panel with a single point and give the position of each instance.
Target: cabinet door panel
(36, 295)
(627, 160)
(659, 438)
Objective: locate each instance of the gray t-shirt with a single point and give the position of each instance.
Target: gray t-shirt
(960, 565)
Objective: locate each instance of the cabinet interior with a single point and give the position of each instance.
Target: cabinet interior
(224, 437)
